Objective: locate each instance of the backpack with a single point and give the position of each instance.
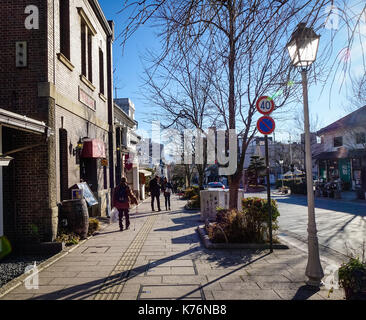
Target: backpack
(122, 194)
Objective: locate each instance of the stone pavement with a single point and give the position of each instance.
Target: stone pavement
(161, 257)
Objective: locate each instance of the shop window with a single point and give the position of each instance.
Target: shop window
(356, 164)
(65, 28)
(360, 138)
(338, 142)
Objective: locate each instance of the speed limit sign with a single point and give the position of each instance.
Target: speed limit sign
(265, 105)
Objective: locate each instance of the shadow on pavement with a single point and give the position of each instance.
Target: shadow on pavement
(305, 292)
(91, 288)
(332, 205)
(221, 277)
(181, 224)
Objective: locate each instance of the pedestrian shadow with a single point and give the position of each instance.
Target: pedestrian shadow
(305, 292)
(189, 238)
(180, 224)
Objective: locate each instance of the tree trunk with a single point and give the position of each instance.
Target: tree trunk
(233, 180)
(233, 191)
(201, 176)
(188, 175)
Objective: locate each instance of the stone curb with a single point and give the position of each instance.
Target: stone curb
(209, 245)
(16, 282)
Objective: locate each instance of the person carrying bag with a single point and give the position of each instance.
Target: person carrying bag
(122, 198)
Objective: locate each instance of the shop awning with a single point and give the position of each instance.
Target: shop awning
(93, 148)
(297, 172)
(145, 172)
(24, 123)
(341, 154)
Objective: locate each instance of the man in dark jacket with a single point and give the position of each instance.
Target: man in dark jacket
(155, 192)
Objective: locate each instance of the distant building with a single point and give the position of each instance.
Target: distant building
(152, 155)
(127, 163)
(344, 150)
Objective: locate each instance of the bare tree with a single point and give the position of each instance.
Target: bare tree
(246, 41)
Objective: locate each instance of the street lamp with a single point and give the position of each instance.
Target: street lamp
(303, 48)
(281, 164)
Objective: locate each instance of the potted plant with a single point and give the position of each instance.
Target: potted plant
(352, 278)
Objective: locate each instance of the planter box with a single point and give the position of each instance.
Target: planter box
(211, 199)
(210, 245)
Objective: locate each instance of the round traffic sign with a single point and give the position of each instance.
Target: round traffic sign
(265, 105)
(266, 125)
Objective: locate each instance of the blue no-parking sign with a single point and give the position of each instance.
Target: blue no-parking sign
(266, 125)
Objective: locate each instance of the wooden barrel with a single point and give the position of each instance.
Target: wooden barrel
(77, 216)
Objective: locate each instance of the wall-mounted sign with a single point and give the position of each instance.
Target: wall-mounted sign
(93, 148)
(86, 99)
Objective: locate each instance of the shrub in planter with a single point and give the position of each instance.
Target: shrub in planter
(94, 225)
(352, 278)
(194, 203)
(220, 231)
(247, 226)
(69, 238)
(191, 192)
(256, 212)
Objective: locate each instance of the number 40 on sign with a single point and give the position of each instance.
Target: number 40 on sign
(265, 105)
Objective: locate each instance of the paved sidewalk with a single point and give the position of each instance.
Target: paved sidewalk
(161, 257)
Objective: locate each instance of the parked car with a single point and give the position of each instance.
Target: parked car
(215, 185)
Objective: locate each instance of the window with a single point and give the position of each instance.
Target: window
(83, 49)
(65, 28)
(101, 71)
(87, 34)
(338, 142)
(90, 57)
(360, 138)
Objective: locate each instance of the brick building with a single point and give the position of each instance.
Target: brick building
(58, 75)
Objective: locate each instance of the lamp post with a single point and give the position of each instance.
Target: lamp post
(281, 164)
(303, 48)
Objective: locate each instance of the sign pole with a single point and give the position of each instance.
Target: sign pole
(266, 126)
(269, 195)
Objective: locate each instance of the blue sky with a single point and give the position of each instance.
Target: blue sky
(329, 105)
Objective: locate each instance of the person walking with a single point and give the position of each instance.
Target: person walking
(122, 197)
(168, 190)
(155, 192)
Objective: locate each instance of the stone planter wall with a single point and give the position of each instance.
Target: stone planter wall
(211, 199)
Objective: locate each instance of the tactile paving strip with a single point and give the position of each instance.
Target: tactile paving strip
(116, 280)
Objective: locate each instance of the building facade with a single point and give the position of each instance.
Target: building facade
(344, 151)
(66, 83)
(127, 163)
